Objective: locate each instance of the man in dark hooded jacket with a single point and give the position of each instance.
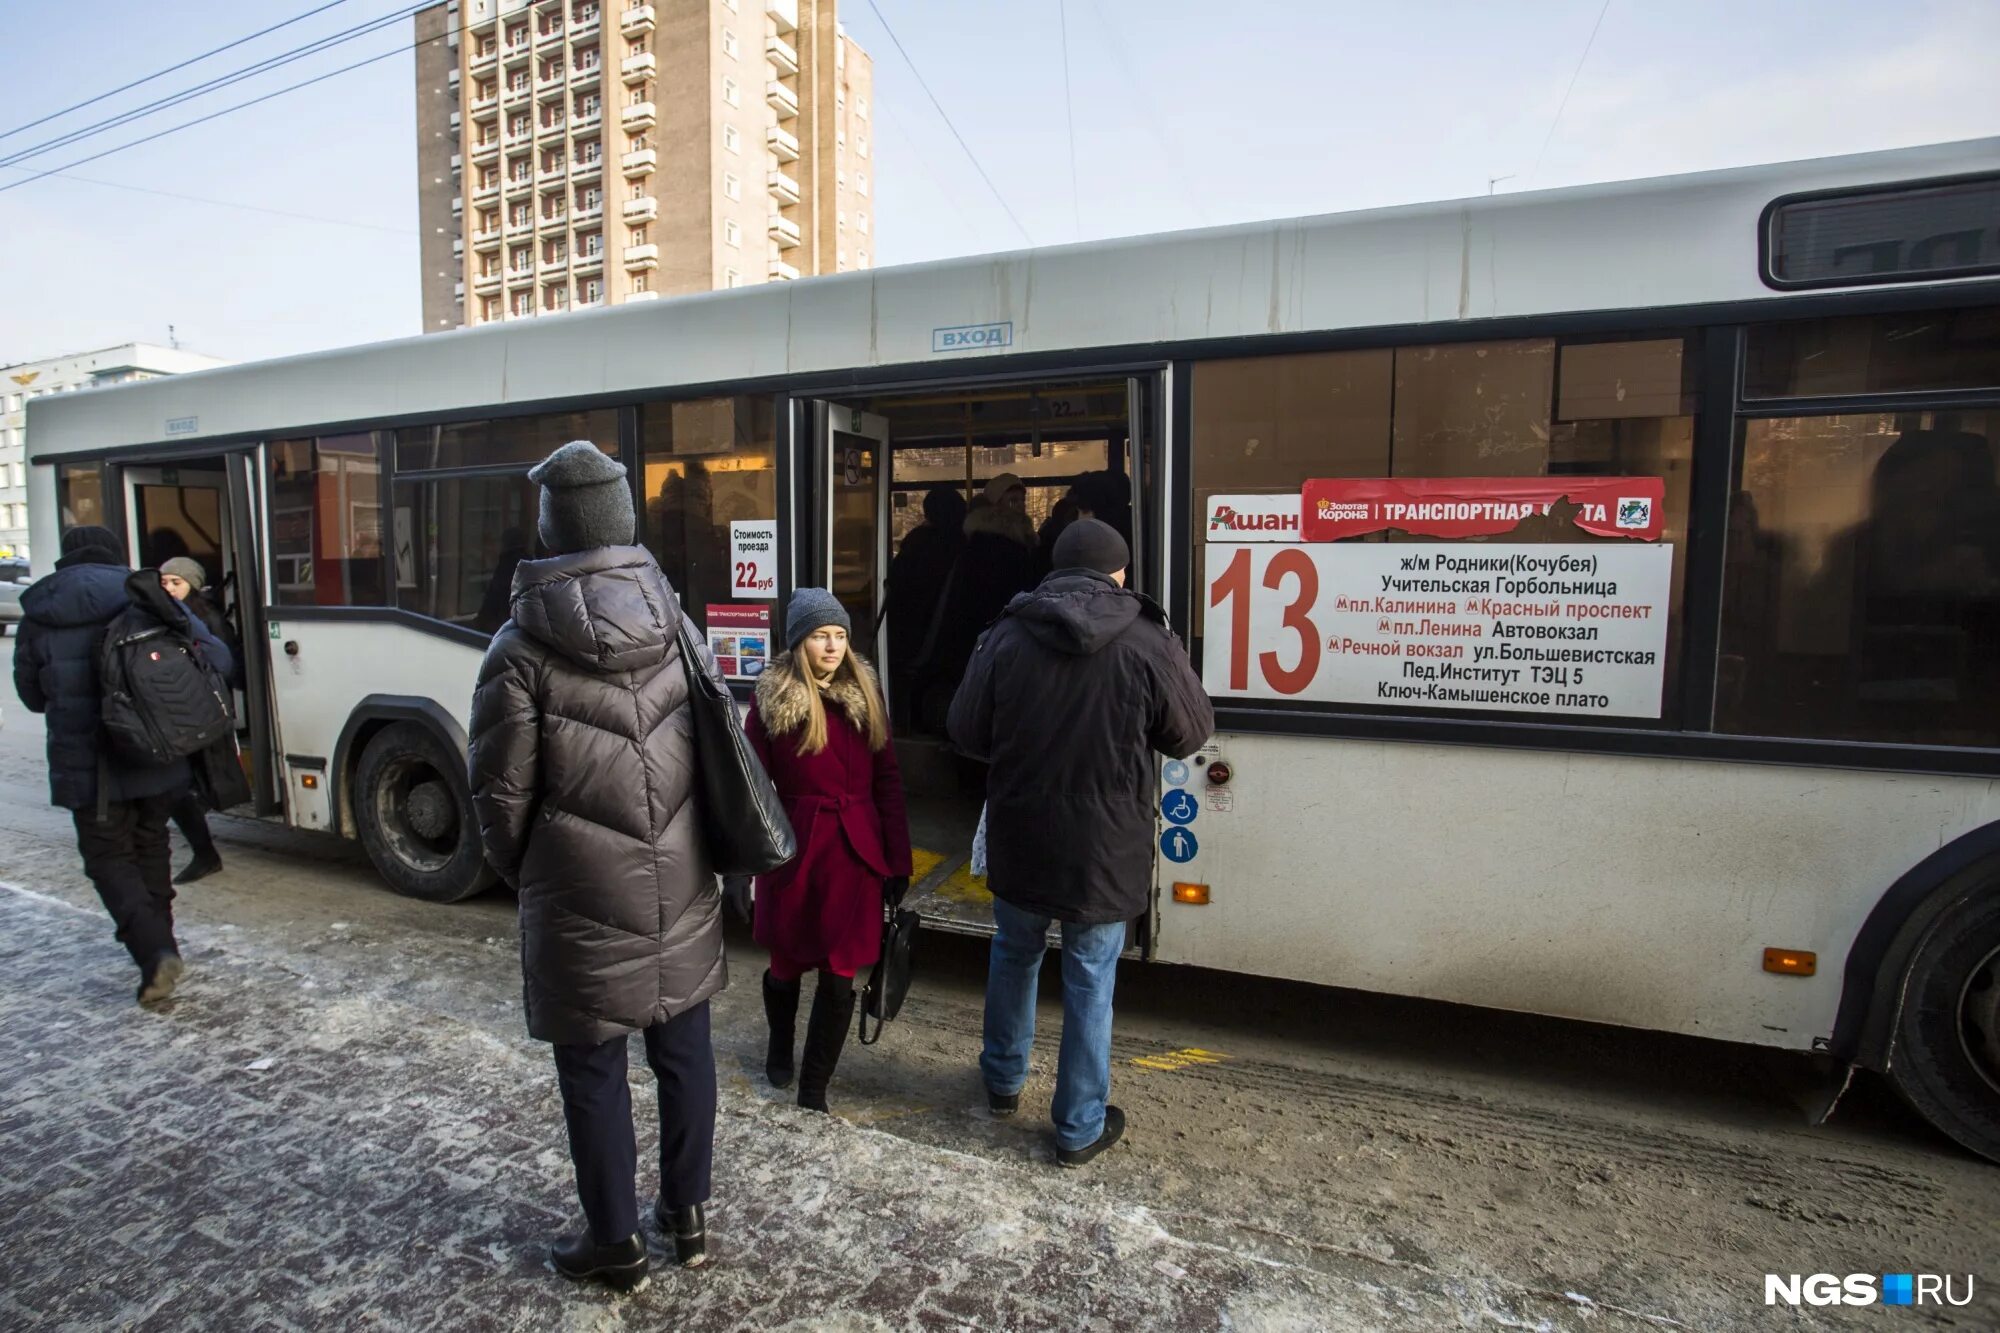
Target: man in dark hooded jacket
(1068, 697)
(582, 759)
(120, 806)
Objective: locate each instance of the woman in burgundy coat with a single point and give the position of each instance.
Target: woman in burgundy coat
(819, 724)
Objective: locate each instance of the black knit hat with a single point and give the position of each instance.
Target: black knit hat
(91, 537)
(586, 501)
(1093, 544)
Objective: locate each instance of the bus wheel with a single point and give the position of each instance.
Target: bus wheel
(1946, 1060)
(416, 818)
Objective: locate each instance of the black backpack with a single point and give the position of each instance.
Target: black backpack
(161, 700)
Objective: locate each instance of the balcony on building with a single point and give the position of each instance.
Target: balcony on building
(551, 85)
(553, 223)
(586, 264)
(457, 162)
(483, 241)
(517, 276)
(639, 116)
(587, 169)
(550, 131)
(549, 35)
(458, 289)
(458, 205)
(640, 162)
(783, 272)
(637, 19)
(642, 256)
(553, 267)
(519, 185)
(486, 283)
(486, 150)
(483, 107)
(637, 69)
(456, 121)
(587, 120)
(785, 232)
(642, 209)
(782, 142)
(487, 61)
(585, 76)
(784, 14)
(521, 228)
(784, 57)
(587, 213)
(584, 25)
(486, 194)
(784, 188)
(782, 99)
(451, 77)
(630, 297)
(458, 247)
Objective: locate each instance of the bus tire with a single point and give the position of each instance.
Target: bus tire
(414, 811)
(1946, 1057)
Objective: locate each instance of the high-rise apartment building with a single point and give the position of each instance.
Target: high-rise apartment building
(21, 384)
(587, 152)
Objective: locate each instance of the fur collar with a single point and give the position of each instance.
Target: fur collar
(783, 701)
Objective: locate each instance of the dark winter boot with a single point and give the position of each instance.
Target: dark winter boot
(620, 1266)
(826, 1033)
(157, 981)
(687, 1228)
(781, 1011)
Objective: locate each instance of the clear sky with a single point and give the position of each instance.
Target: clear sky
(1186, 112)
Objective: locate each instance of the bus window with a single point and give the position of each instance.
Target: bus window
(1862, 592)
(80, 493)
(1534, 407)
(458, 540)
(1898, 353)
(499, 440)
(326, 522)
(707, 463)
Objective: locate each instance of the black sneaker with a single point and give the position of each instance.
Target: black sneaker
(1114, 1130)
(687, 1228)
(199, 868)
(1000, 1105)
(622, 1266)
(157, 983)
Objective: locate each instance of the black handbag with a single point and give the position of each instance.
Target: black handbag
(889, 980)
(743, 824)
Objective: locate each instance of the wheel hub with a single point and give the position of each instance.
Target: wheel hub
(430, 810)
(1979, 1017)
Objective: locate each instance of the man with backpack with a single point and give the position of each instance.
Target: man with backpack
(120, 793)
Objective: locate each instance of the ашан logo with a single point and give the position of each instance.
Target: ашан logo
(1867, 1289)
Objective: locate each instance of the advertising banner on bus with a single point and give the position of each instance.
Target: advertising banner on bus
(1335, 508)
(1578, 628)
(1254, 518)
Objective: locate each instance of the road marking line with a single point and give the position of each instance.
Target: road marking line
(1181, 1059)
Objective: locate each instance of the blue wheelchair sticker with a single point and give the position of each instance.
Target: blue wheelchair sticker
(1180, 807)
(1175, 773)
(1178, 845)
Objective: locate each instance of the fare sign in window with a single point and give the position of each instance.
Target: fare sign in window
(1576, 627)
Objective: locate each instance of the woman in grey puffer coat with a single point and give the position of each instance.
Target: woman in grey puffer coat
(582, 763)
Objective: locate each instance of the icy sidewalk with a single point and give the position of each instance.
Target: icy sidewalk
(261, 1154)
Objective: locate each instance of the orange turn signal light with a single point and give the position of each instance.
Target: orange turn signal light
(1196, 894)
(1791, 962)
(309, 780)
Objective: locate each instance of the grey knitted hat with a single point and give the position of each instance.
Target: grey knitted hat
(188, 570)
(1091, 543)
(809, 609)
(586, 502)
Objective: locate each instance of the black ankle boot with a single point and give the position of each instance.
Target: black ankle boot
(826, 1033)
(621, 1266)
(781, 1011)
(687, 1228)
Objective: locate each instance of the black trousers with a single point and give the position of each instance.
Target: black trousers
(126, 856)
(190, 815)
(597, 1107)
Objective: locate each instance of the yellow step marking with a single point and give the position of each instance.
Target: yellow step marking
(1181, 1059)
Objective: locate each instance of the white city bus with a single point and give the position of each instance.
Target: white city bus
(1599, 588)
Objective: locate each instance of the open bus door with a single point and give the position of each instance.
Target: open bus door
(206, 508)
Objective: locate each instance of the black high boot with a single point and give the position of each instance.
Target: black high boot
(826, 1033)
(781, 1011)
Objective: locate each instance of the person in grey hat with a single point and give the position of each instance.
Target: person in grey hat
(1068, 697)
(583, 778)
(820, 726)
(219, 781)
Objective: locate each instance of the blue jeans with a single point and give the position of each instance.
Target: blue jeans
(1089, 973)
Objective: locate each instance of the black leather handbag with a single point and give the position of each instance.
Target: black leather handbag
(743, 824)
(889, 981)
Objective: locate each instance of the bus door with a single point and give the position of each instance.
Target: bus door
(206, 509)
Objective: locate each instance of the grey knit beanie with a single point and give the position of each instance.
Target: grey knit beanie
(809, 609)
(586, 502)
(1091, 543)
(188, 570)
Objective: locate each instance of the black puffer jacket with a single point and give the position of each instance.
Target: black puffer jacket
(55, 672)
(1068, 697)
(583, 775)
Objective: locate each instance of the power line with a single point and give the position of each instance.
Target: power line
(1069, 115)
(970, 155)
(1564, 104)
(1152, 119)
(229, 203)
(91, 101)
(220, 81)
(215, 115)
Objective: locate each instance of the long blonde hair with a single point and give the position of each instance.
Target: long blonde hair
(812, 736)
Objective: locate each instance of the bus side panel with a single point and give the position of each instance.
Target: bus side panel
(1623, 890)
(338, 664)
